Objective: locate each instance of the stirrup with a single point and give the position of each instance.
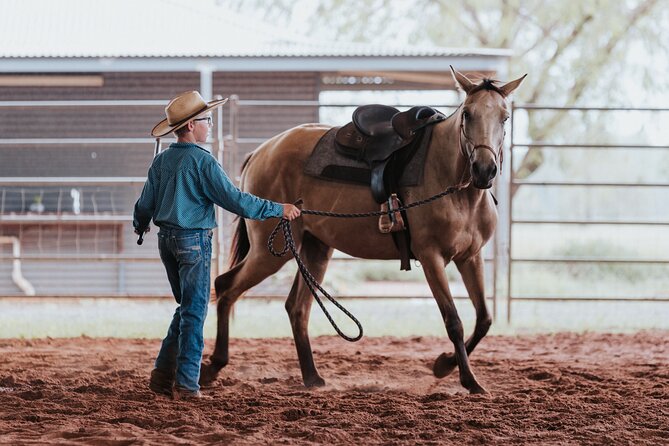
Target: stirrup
(392, 222)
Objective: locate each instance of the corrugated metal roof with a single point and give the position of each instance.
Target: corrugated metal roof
(168, 28)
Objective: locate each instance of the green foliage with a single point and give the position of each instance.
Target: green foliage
(593, 52)
(564, 45)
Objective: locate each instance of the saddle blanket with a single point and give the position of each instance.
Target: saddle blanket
(326, 163)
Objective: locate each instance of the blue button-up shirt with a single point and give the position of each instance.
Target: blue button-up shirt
(184, 183)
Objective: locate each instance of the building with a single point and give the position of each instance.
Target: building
(81, 85)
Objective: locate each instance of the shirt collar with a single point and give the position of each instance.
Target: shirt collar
(184, 145)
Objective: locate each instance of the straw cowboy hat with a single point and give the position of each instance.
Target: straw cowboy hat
(183, 108)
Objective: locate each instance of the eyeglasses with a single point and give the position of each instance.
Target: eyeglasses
(209, 120)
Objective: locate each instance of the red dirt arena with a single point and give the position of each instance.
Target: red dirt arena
(544, 389)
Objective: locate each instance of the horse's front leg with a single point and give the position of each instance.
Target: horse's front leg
(472, 274)
(434, 268)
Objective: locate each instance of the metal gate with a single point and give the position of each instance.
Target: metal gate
(72, 236)
(49, 247)
(133, 272)
(605, 227)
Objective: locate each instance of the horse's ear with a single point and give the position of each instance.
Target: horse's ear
(509, 87)
(462, 81)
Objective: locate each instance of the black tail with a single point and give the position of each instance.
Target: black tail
(240, 240)
(240, 243)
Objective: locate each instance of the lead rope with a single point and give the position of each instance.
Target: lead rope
(310, 280)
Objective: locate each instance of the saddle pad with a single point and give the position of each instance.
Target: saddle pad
(326, 163)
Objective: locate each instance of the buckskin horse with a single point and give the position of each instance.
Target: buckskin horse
(466, 146)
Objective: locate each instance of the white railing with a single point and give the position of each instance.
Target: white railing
(17, 275)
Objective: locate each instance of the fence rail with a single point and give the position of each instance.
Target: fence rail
(63, 219)
(514, 221)
(228, 134)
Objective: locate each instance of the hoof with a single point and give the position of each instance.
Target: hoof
(473, 386)
(208, 374)
(477, 389)
(444, 365)
(316, 381)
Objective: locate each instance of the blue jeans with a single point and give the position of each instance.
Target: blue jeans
(186, 254)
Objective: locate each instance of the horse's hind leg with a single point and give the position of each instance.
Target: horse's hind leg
(316, 256)
(433, 266)
(229, 287)
(472, 274)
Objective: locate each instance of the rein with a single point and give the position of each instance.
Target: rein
(309, 279)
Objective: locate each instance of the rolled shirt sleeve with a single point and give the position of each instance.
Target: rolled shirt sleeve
(221, 190)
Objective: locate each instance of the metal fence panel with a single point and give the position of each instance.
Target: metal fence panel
(634, 260)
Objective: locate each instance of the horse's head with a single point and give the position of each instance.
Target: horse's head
(482, 117)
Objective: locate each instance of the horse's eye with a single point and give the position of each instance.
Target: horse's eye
(505, 119)
(465, 115)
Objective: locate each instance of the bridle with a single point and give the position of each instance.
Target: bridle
(499, 154)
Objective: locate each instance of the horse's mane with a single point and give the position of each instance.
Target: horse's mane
(488, 84)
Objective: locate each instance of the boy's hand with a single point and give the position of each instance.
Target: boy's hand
(290, 211)
(138, 232)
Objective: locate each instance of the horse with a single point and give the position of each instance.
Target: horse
(468, 144)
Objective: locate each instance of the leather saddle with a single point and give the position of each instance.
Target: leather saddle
(377, 134)
(386, 140)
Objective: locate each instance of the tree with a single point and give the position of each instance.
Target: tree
(575, 52)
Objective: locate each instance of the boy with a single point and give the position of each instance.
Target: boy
(184, 182)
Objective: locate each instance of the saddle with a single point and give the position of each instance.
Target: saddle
(377, 135)
(386, 139)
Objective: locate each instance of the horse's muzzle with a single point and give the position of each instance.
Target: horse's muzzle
(482, 185)
(483, 174)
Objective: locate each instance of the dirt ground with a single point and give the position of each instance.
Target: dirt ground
(545, 389)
